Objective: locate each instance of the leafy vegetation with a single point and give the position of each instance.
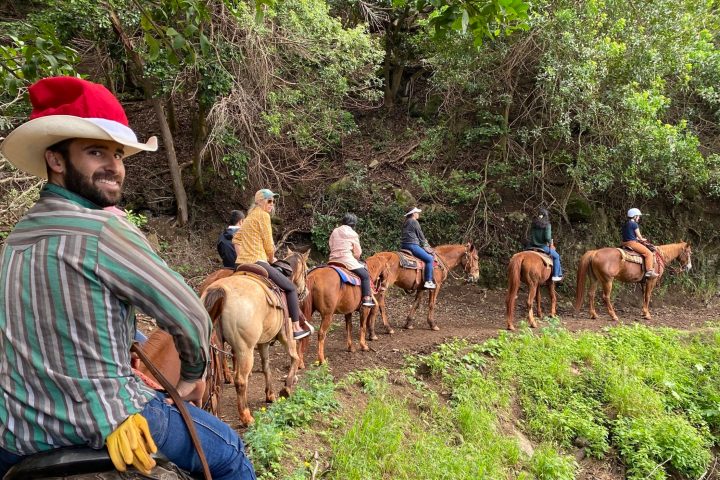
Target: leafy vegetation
(649, 397)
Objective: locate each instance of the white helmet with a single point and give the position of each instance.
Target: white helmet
(634, 212)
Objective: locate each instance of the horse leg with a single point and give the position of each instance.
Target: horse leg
(227, 375)
(538, 301)
(364, 314)
(348, 332)
(411, 314)
(302, 346)
(243, 367)
(553, 299)
(381, 308)
(647, 293)
(532, 291)
(591, 298)
(607, 290)
(264, 350)
(432, 298)
(325, 320)
(286, 338)
(371, 315)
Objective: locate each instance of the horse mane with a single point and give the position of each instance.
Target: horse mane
(672, 250)
(156, 342)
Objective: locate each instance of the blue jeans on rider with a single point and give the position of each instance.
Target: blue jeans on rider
(222, 446)
(557, 269)
(420, 252)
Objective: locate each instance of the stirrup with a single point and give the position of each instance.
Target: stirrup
(368, 302)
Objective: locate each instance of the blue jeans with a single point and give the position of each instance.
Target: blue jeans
(557, 269)
(420, 252)
(222, 446)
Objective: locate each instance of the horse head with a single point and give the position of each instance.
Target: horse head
(684, 257)
(471, 263)
(298, 262)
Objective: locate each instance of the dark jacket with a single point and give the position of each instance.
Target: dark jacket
(540, 236)
(412, 233)
(226, 249)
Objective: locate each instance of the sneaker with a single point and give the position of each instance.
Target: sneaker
(557, 279)
(430, 285)
(301, 334)
(651, 274)
(368, 302)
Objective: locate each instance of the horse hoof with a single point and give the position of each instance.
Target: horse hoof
(435, 328)
(246, 418)
(284, 393)
(374, 337)
(511, 328)
(351, 349)
(390, 331)
(408, 327)
(270, 398)
(364, 348)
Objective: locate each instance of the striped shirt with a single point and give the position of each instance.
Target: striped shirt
(69, 278)
(254, 239)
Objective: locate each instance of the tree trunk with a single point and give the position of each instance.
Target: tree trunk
(170, 113)
(175, 173)
(200, 132)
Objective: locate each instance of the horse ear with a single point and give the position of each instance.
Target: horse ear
(289, 251)
(306, 255)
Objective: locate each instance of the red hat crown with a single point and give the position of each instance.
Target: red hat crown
(74, 96)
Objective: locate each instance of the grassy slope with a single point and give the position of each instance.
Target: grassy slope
(634, 401)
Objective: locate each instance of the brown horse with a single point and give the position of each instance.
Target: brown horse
(248, 319)
(449, 257)
(160, 349)
(528, 267)
(328, 295)
(607, 264)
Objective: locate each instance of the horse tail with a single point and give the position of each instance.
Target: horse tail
(514, 269)
(214, 302)
(584, 269)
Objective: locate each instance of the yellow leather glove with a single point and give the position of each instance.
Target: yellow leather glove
(132, 444)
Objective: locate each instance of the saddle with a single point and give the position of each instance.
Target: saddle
(547, 259)
(631, 256)
(274, 295)
(410, 261)
(65, 461)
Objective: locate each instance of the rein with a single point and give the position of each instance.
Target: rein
(449, 272)
(179, 403)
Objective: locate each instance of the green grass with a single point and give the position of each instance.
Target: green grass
(650, 397)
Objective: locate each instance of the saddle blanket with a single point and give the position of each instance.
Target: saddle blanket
(346, 276)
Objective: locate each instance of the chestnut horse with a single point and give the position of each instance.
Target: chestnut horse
(160, 349)
(449, 257)
(529, 268)
(241, 305)
(607, 264)
(328, 295)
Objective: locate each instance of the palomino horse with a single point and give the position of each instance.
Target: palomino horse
(528, 267)
(248, 320)
(160, 349)
(328, 295)
(607, 264)
(448, 256)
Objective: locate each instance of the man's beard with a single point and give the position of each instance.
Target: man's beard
(82, 185)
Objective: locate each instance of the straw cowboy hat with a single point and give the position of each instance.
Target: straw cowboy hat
(68, 107)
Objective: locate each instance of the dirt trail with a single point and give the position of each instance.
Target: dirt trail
(463, 311)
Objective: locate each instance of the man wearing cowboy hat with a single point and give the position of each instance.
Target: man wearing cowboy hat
(70, 275)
